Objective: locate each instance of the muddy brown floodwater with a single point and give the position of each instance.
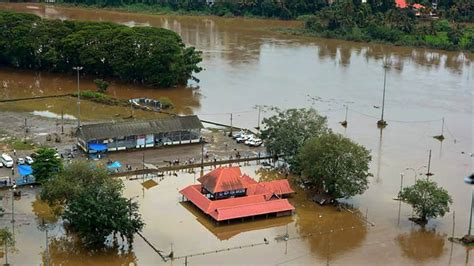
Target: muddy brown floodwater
(245, 65)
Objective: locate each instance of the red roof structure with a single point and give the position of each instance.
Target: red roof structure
(222, 179)
(403, 4)
(226, 194)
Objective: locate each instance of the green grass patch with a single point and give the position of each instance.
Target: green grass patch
(20, 145)
(102, 98)
(166, 103)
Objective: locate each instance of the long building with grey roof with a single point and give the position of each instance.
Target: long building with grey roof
(124, 135)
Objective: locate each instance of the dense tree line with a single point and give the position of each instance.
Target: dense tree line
(285, 9)
(365, 22)
(151, 56)
(461, 10)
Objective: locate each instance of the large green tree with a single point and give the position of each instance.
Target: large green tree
(46, 164)
(335, 165)
(287, 131)
(146, 55)
(91, 202)
(427, 199)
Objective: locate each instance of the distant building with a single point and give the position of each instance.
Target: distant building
(225, 194)
(404, 4)
(116, 136)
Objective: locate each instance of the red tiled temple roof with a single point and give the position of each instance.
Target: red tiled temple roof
(247, 180)
(222, 179)
(258, 199)
(278, 187)
(241, 211)
(404, 4)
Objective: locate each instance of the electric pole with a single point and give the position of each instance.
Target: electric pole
(428, 173)
(258, 119)
(231, 127)
(382, 123)
(78, 68)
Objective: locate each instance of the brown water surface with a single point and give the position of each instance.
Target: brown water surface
(246, 64)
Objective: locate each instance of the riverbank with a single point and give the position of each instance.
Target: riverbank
(440, 45)
(441, 40)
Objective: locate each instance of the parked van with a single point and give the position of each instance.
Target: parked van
(6, 160)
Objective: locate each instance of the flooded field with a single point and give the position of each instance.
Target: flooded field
(246, 64)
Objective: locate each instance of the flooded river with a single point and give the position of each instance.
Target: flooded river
(247, 64)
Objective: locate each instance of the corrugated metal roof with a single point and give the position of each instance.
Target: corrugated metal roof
(143, 127)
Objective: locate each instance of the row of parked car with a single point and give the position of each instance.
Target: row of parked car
(7, 161)
(248, 139)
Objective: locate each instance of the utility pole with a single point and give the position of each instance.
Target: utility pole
(401, 183)
(62, 122)
(13, 203)
(78, 68)
(258, 119)
(231, 127)
(202, 154)
(344, 123)
(26, 129)
(428, 173)
(382, 123)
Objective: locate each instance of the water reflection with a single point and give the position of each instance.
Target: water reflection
(379, 156)
(43, 211)
(413, 244)
(240, 41)
(66, 251)
(329, 232)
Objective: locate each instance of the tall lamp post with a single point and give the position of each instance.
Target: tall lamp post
(470, 180)
(78, 69)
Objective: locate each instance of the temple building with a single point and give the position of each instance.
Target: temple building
(226, 194)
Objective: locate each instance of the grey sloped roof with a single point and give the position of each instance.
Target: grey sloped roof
(132, 128)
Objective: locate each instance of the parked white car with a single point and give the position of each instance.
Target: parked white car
(1, 164)
(6, 160)
(20, 161)
(29, 160)
(243, 138)
(254, 142)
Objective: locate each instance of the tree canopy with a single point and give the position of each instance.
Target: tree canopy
(460, 10)
(427, 199)
(146, 55)
(91, 203)
(335, 165)
(287, 131)
(46, 164)
(382, 21)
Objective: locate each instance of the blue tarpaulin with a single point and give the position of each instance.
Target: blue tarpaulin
(114, 165)
(97, 147)
(24, 170)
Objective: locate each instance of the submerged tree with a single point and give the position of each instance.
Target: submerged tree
(335, 165)
(93, 204)
(102, 85)
(427, 199)
(286, 132)
(47, 163)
